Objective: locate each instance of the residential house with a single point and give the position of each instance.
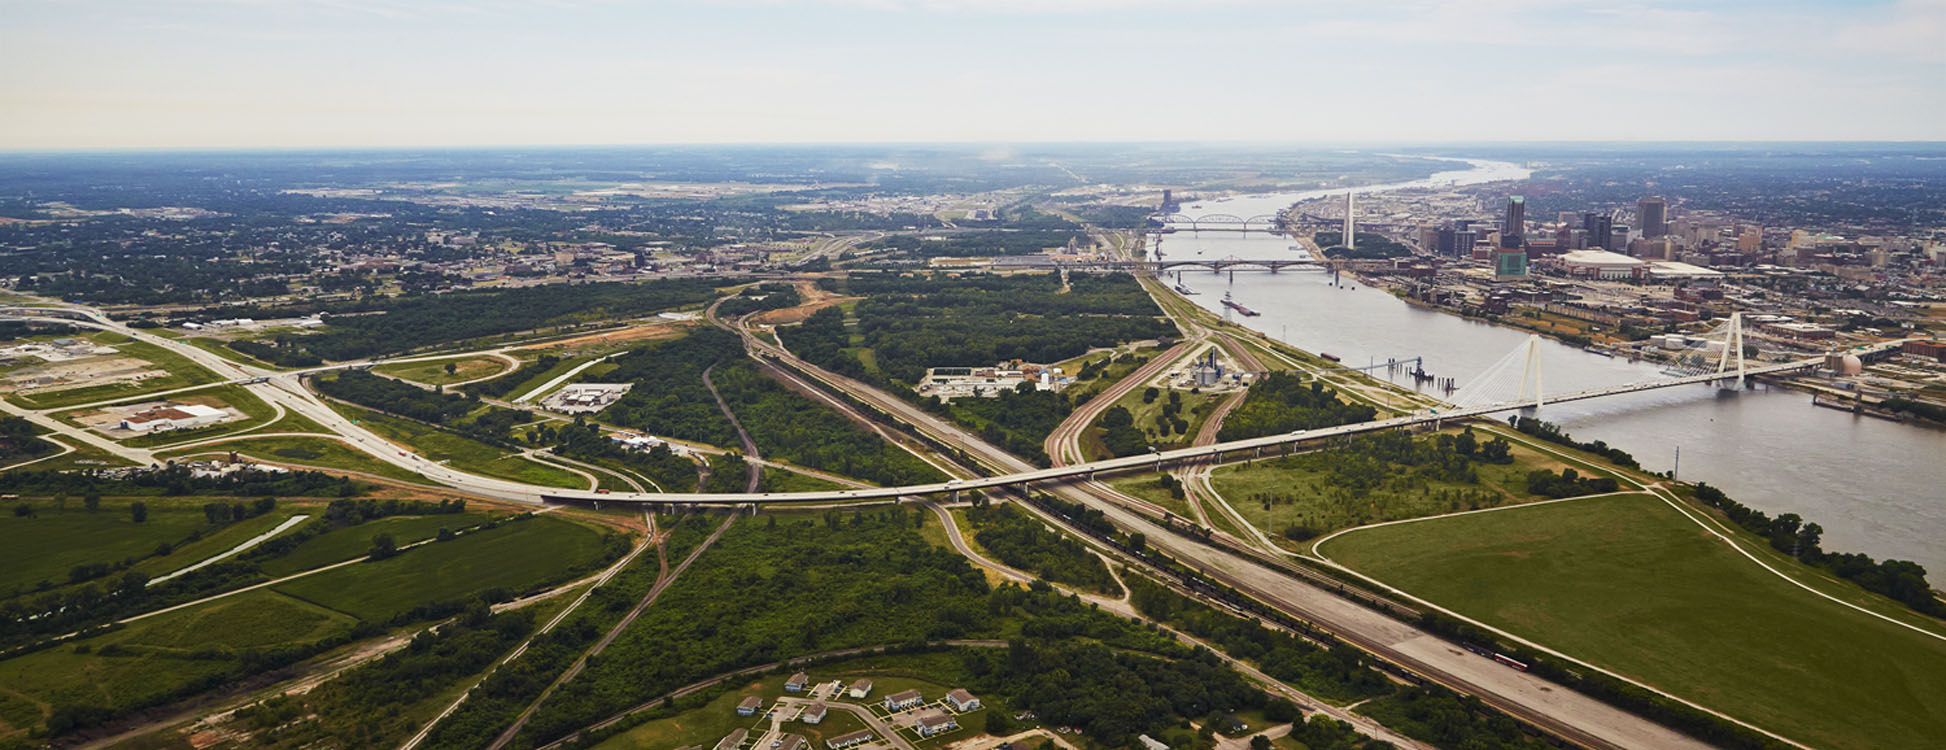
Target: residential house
(962, 701)
(903, 700)
(933, 721)
(796, 683)
(812, 714)
(733, 740)
(790, 742)
(860, 689)
(839, 742)
(749, 706)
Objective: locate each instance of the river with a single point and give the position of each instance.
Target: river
(1876, 486)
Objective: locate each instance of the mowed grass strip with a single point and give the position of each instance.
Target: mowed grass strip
(517, 557)
(319, 452)
(1629, 584)
(433, 372)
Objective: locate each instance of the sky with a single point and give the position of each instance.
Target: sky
(91, 74)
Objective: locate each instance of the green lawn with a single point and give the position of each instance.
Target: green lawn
(465, 454)
(1149, 487)
(321, 452)
(218, 541)
(339, 545)
(779, 480)
(157, 656)
(1195, 408)
(47, 546)
(1306, 492)
(182, 373)
(516, 557)
(538, 379)
(1629, 584)
(433, 372)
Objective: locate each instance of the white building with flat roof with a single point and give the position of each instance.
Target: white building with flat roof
(173, 417)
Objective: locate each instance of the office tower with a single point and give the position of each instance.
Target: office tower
(1515, 225)
(1597, 226)
(1618, 239)
(1652, 213)
(1350, 225)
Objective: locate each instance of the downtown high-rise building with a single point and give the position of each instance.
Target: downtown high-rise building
(1652, 214)
(1597, 227)
(1515, 225)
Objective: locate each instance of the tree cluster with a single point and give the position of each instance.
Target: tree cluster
(1025, 543)
(1568, 483)
(1282, 402)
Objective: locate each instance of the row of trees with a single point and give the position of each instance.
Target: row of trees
(1901, 580)
(176, 480)
(1552, 433)
(385, 394)
(1568, 483)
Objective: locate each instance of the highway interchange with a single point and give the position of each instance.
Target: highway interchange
(1572, 715)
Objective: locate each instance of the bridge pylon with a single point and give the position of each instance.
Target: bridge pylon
(1530, 373)
(1732, 344)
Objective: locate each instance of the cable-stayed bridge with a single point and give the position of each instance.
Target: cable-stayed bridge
(1525, 383)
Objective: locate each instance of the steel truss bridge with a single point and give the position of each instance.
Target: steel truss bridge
(1217, 222)
(1213, 265)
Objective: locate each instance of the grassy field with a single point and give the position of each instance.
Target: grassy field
(1195, 407)
(154, 657)
(182, 374)
(45, 547)
(537, 379)
(339, 545)
(320, 452)
(1629, 584)
(1323, 506)
(462, 453)
(516, 557)
(779, 480)
(1149, 487)
(433, 372)
(218, 541)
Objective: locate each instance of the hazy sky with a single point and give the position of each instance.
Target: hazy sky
(254, 73)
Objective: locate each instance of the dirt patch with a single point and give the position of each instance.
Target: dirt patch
(792, 315)
(631, 334)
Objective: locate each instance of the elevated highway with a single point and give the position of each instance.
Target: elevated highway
(1155, 461)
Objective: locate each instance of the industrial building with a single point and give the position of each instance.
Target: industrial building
(173, 417)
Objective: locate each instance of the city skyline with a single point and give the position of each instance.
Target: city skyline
(299, 74)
